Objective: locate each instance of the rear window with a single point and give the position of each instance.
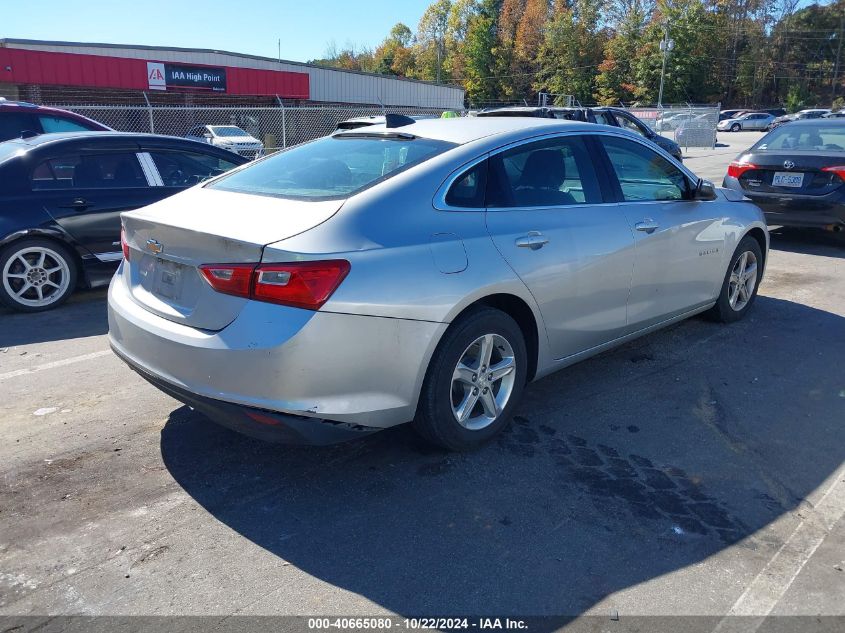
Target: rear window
(805, 137)
(332, 167)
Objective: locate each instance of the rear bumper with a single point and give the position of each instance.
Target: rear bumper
(269, 426)
(807, 211)
(360, 370)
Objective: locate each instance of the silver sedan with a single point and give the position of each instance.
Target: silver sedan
(421, 271)
(751, 121)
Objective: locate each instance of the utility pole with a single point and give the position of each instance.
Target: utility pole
(835, 78)
(666, 45)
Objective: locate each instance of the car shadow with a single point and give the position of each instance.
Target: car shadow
(637, 463)
(83, 315)
(808, 241)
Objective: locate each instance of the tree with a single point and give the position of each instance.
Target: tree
(478, 51)
(431, 39)
(689, 69)
(392, 56)
(571, 51)
(614, 83)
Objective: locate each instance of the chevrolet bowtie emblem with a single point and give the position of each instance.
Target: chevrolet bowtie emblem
(154, 246)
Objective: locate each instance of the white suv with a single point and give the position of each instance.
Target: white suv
(229, 137)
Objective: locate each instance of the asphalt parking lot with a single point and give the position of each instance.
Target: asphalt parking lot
(697, 471)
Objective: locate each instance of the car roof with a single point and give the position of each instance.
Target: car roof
(54, 137)
(467, 129)
(109, 139)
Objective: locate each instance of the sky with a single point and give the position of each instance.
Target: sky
(305, 27)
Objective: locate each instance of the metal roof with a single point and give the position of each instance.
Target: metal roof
(178, 49)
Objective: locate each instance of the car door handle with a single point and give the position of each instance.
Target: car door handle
(534, 240)
(80, 204)
(648, 226)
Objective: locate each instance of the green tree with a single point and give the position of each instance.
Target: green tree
(571, 51)
(615, 83)
(431, 40)
(478, 50)
(689, 68)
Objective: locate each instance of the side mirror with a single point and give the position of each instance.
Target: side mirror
(705, 190)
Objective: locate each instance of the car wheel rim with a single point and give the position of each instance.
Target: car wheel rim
(482, 382)
(742, 281)
(36, 276)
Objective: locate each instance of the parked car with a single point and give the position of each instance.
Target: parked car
(18, 119)
(796, 174)
(751, 121)
(425, 272)
(813, 113)
(775, 112)
(674, 120)
(228, 137)
(731, 114)
(834, 115)
(615, 117)
(698, 132)
(61, 196)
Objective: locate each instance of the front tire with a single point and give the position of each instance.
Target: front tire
(474, 381)
(739, 288)
(36, 275)
(736, 127)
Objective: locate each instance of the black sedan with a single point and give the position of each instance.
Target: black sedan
(61, 196)
(796, 174)
(614, 117)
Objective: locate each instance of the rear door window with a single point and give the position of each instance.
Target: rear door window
(603, 118)
(116, 170)
(12, 124)
(185, 169)
(549, 173)
(628, 124)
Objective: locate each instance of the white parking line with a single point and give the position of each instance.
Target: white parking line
(772, 583)
(54, 364)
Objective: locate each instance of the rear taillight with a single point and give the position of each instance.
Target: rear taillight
(737, 168)
(123, 245)
(839, 170)
(305, 285)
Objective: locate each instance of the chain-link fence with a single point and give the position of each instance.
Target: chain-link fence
(688, 125)
(275, 127)
(279, 127)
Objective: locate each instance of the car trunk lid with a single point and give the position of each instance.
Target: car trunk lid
(796, 172)
(169, 240)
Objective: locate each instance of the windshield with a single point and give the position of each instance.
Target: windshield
(227, 130)
(332, 167)
(804, 137)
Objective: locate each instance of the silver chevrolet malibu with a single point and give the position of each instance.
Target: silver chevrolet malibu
(421, 271)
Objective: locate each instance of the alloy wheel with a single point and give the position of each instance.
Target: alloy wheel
(742, 281)
(36, 276)
(483, 381)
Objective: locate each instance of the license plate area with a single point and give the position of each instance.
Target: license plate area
(167, 279)
(788, 179)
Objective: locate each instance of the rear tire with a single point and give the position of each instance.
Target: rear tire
(36, 275)
(739, 288)
(474, 381)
